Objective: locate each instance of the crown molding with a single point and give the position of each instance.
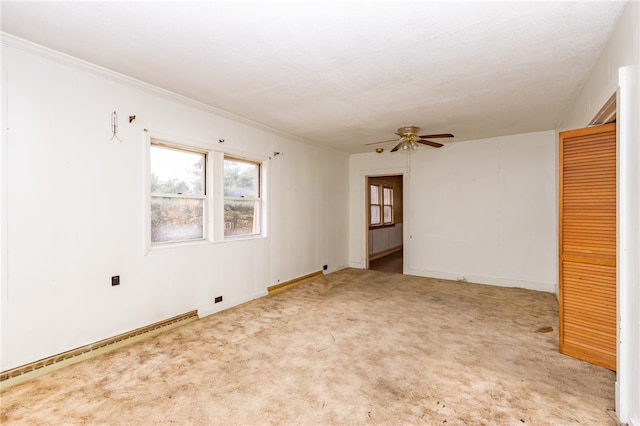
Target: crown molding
(8, 40)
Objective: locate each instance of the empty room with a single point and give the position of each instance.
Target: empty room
(392, 212)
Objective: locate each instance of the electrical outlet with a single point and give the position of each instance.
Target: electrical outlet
(218, 299)
(115, 280)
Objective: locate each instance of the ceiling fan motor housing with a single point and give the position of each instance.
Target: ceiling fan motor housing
(404, 130)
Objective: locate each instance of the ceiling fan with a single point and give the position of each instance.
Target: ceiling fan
(409, 139)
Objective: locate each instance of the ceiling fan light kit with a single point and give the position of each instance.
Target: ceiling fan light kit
(409, 145)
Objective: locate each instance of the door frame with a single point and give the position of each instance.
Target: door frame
(405, 225)
(628, 250)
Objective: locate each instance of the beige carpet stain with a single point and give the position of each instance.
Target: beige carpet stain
(352, 347)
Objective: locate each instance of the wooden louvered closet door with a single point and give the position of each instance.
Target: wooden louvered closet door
(587, 282)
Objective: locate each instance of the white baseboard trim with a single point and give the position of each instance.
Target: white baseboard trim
(478, 279)
(332, 270)
(356, 265)
(218, 307)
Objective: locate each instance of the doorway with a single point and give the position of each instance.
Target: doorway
(385, 223)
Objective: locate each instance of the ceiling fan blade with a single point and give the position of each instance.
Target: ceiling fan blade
(397, 147)
(441, 135)
(381, 142)
(430, 143)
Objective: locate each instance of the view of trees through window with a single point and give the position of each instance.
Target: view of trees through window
(241, 197)
(179, 201)
(177, 194)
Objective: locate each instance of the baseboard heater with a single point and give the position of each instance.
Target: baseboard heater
(291, 283)
(35, 369)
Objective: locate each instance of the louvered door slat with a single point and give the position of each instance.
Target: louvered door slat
(587, 281)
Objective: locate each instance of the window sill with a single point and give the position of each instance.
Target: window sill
(165, 246)
(243, 238)
(372, 227)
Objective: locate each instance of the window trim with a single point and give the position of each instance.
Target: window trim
(214, 182)
(204, 196)
(372, 204)
(381, 205)
(258, 212)
(184, 144)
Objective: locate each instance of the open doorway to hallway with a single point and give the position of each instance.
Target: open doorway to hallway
(385, 223)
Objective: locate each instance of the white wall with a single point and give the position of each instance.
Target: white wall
(486, 212)
(73, 208)
(480, 210)
(618, 68)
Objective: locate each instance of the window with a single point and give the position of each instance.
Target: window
(375, 205)
(178, 194)
(196, 195)
(387, 205)
(241, 197)
(381, 205)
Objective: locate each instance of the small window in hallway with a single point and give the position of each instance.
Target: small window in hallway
(381, 205)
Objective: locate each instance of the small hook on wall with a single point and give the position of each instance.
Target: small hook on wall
(114, 126)
(132, 118)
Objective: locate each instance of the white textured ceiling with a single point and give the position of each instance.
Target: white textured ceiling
(344, 73)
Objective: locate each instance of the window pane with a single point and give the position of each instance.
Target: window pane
(241, 178)
(388, 216)
(388, 195)
(375, 215)
(374, 195)
(240, 217)
(175, 171)
(176, 219)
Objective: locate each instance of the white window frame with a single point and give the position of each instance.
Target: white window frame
(372, 205)
(258, 201)
(214, 190)
(203, 197)
(184, 145)
(381, 205)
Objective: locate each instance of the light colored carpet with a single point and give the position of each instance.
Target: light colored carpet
(352, 347)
